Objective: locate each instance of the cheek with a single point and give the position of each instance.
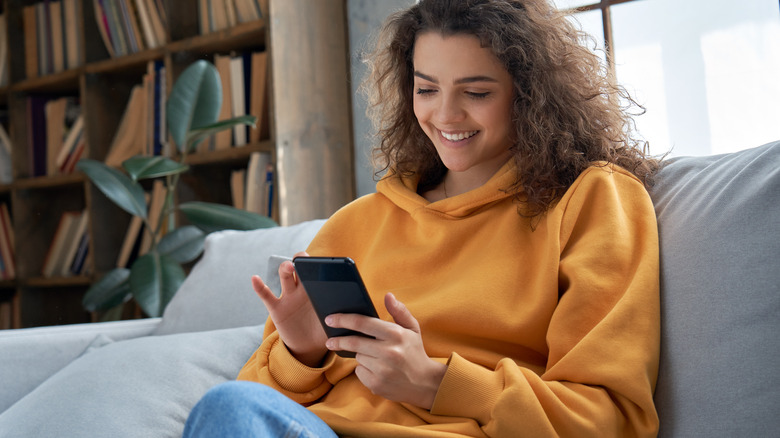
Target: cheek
(421, 112)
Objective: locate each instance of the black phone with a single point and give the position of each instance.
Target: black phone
(333, 285)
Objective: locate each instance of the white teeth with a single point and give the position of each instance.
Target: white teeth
(458, 136)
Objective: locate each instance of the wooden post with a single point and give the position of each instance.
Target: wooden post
(312, 108)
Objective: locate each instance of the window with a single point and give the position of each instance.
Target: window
(705, 70)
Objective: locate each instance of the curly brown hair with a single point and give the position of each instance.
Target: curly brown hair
(568, 111)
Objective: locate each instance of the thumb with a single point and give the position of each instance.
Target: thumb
(401, 314)
(287, 276)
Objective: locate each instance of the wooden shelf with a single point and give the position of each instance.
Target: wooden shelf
(42, 282)
(228, 155)
(43, 182)
(103, 84)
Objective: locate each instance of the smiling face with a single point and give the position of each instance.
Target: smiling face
(463, 102)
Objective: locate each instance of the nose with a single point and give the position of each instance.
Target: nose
(449, 110)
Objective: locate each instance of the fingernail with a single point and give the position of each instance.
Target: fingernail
(329, 344)
(329, 321)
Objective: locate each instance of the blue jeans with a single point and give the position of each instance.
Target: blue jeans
(248, 409)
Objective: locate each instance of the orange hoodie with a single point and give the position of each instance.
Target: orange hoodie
(546, 332)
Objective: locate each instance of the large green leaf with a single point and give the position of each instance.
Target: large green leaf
(110, 291)
(199, 134)
(194, 101)
(183, 244)
(154, 279)
(216, 217)
(125, 193)
(140, 167)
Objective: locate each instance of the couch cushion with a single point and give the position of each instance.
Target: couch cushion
(142, 387)
(719, 224)
(218, 293)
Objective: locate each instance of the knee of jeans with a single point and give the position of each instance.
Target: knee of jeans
(232, 394)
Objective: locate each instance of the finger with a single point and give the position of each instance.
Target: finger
(367, 325)
(263, 291)
(401, 314)
(287, 277)
(361, 345)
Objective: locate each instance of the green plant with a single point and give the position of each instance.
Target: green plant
(153, 278)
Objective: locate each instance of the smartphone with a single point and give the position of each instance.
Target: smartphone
(333, 285)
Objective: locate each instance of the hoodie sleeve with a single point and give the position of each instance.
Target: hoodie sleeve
(603, 338)
(273, 365)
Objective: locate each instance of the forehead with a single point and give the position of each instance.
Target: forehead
(454, 56)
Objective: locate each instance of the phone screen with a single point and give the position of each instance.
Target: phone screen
(333, 285)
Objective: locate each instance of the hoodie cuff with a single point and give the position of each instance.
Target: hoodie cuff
(467, 390)
(291, 374)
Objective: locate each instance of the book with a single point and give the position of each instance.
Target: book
(238, 188)
(6, 171)
(230, 13)
(72, 244)
(218, 16)
(258, 106)
(70, 163)
(238, 98)
(130, 24)
(130, 242)
(157, 17)
(30, 41)
(7, 243)
(3, 51)
(61, 115)
(63, 233)
(56, 35)
(130, 137)
(146, 24)
(224, 139)
(70, 143)
(117, 31)
(256, 178)
(203, 17)
(79, 259)
(102, 25)
(72, 20)
(44, 40)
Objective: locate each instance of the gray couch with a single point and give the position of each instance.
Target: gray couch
(719, 220)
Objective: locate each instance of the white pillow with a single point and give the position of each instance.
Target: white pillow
(218, 293)
(142, 387)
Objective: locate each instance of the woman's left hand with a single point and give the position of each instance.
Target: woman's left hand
(395, 364)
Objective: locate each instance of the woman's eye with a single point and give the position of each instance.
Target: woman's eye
(425, 90)
(478, 95)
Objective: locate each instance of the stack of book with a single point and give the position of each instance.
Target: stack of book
(130, 26)
(142, 129)
(7, 261)
(67, 253)
(55, 134)
(222, 14)
(244, 91)
(51, 37)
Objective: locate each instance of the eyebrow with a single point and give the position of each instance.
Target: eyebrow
(465, 80)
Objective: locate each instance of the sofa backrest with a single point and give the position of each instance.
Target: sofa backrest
(719, 225)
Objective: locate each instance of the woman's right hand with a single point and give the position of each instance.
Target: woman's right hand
(293, 316)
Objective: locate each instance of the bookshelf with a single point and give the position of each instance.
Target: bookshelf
(311, 83)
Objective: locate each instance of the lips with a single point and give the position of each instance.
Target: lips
(458, 136)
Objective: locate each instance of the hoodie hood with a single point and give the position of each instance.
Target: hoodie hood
(402, 191)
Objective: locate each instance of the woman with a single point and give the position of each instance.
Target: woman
(512, 243)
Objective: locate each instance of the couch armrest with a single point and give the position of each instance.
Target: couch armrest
(30, 356)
